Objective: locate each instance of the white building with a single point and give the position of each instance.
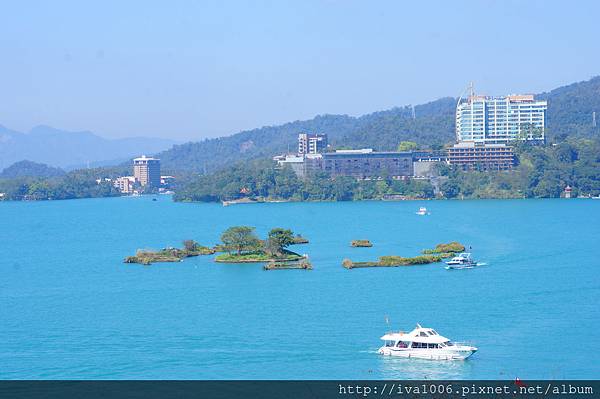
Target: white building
(496, 120)
(312, 143)
(125, 184)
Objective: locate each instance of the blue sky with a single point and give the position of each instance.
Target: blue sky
(189, 70)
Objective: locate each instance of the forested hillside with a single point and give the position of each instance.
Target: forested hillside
(433, 124)
(30, 169)
(569, 114)
(570, 109)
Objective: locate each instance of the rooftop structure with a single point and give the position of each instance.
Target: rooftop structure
(497, 120)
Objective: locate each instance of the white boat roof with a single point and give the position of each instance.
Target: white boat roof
(419, 334)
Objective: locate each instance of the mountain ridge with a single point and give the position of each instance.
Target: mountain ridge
(66, 149)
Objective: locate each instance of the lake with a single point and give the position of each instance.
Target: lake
(69, 307)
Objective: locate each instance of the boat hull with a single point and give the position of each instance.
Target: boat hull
(460, 353)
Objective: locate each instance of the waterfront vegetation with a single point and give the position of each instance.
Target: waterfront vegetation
(262, 180)
(449, 248)
(76, 184)
(190, 248)
(541, 172)
(243, 245)
(440, 252)
(361, 243)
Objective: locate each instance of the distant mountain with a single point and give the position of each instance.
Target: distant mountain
(66, 149)
(569, 114)
(30, 169)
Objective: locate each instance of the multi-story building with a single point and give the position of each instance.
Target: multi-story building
(125, 184)
(146, 171)
(497, 120)
(480, 156)
(366, 163)
(296, 162)
(311, 143)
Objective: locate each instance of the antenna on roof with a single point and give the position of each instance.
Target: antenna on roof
(419, 326)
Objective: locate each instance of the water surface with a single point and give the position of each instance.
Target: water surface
(69, 307)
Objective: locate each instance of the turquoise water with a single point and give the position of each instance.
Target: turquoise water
(70, 309)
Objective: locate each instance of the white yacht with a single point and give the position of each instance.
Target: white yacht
(422, 211)
(462, 261)
(424, 343)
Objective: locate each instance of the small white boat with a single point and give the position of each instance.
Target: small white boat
(462, 261)
(422, 211)
(424, 343)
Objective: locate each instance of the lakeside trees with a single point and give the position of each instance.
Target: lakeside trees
(263, 179)
(541, 172)
(240, 239)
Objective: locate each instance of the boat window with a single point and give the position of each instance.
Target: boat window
(422, 334)
(389, 343)
(402, 344)
(449, 343)
(434, 332)
(432, 346)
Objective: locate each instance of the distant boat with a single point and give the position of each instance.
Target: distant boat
(462, 261)
(422, 211)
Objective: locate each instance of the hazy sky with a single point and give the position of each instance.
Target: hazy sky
(188, 70)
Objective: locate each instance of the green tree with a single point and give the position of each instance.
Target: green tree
(278, 239)
(190, 245)
(240, 239)
(450, 189)
(407, 146)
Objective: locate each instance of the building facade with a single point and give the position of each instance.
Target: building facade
(498, 120)
(311, 143)
(125, 184)
(479, 156)
(146, 171)
(367, 163)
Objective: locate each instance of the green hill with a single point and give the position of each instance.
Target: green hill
(570, 109)
(30, 169)
(433, 125)
(569, 114)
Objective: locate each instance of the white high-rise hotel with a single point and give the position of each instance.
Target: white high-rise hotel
(497, 120)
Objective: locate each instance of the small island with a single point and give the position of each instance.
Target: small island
(440, 252)
(241, 245)
(278, 265)
(361, 244)
(298, 239)
(170, 254)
